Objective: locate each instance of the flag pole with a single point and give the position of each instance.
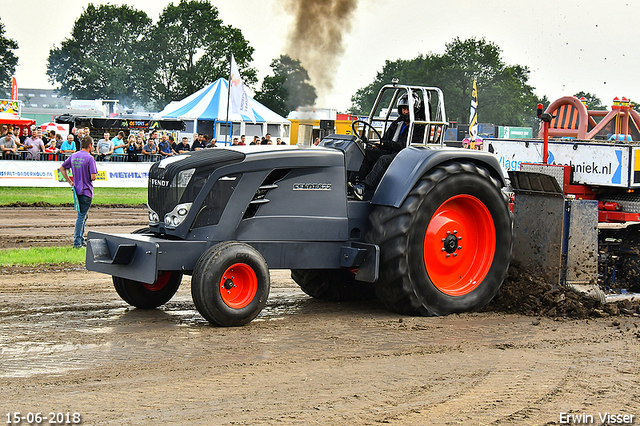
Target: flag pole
(226, 134)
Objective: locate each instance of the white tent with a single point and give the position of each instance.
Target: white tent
(206, 112)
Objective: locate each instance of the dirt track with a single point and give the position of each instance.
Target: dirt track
(69, 344)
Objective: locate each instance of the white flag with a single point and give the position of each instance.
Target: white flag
(239, 98)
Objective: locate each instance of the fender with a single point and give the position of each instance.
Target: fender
(413, 162)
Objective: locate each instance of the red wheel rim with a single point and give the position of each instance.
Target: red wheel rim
(163, 279)
(238, 286)
(459, 245)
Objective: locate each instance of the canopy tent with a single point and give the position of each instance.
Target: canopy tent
(208, 107)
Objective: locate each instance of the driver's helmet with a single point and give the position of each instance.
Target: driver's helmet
(404, 101)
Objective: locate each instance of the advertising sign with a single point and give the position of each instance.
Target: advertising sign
(45, 174)
(591, 163)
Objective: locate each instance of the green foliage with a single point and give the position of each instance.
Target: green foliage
(192, 48)
(101, 59)
(288, 87)
(504, 97)
(8, 61)
(64, 196)
(116, 52)
(593, 102)
(42, 256)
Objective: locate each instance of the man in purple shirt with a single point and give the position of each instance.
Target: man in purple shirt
(84, 171)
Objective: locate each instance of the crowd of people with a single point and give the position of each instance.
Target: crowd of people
(34, 144)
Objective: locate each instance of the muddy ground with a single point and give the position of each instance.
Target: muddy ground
(69, 344)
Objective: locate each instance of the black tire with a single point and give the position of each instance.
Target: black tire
(142, 231)
(336, 285)
(148, 296)
(230, 300)
(447, 278)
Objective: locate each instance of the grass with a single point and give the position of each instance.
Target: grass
(63, 196)
(56, 197)
(41, 255)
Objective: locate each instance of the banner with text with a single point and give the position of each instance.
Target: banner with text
(45, 174)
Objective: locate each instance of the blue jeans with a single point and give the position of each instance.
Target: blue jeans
(78, 233)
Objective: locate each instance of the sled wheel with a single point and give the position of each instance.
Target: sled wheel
(230, 284)
(447, 248)
(336, 285)
(148, 296)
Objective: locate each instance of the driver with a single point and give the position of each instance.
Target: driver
(379, 156)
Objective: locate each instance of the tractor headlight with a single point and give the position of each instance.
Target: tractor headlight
(154, 219)
(176, 216)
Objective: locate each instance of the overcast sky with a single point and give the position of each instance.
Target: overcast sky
(568, 45)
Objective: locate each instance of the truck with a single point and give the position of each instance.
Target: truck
(434, 238)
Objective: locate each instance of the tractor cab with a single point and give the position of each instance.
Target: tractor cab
(427, 121)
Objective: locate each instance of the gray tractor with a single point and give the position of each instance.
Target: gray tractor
(433, 238)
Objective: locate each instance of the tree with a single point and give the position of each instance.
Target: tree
(288, 87)
(192, 48)
(101, 59)
(504, 97)
(8, 61)
(593, 102)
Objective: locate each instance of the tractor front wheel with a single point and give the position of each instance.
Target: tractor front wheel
(148, 296)
(447, 248)
(230, 284)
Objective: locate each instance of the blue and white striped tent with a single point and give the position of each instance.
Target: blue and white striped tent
(206, 109)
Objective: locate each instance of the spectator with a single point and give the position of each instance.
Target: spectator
(16, 136)
(59, 140)
(256, 141)
(141, 136)
(150, 147)
(118, 143)
(24, 137)
(174, 144)
(34, 145)
(268, 138)
(242, 142)
(105, 147)
(134, 147)
(205, 141)
(316, 142)
(280, 142)
(200, 143)
(196, 137)
(68, 146)
(212, 144)
(164, 147)
(183, 146)
(154, 135)
(76, 137)
(235, 142)
(51, 146)
(4, 131)
(263, 141)
(8, 144)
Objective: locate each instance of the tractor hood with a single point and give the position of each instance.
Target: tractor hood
(174, 182)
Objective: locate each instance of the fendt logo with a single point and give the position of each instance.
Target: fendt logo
(159, 182)
(312, 187)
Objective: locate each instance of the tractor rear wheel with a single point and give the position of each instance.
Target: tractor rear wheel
(230, 284)
(447, 248)
(148, 296)
(336, 285)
